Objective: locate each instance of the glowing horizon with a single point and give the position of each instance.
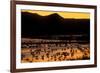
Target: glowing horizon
(74, 15)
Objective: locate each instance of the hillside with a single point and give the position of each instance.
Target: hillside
(34, 25)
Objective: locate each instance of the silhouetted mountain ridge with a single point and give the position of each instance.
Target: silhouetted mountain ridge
(34, 24)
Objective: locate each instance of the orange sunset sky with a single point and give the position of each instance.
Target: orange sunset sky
(75, 15)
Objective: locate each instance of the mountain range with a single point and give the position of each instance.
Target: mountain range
(33, 24)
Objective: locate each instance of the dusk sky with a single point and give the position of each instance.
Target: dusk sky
(75, 15)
